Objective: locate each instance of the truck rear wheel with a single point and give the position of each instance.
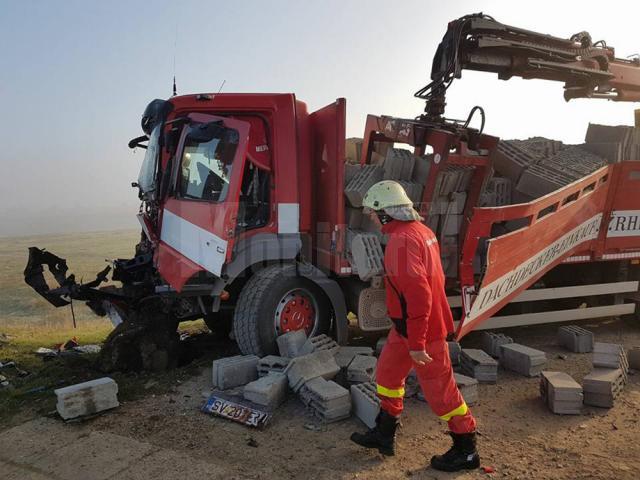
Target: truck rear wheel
(276, 301)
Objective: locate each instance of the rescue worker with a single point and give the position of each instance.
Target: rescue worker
(417, 305)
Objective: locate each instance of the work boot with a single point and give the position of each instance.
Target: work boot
(382, 436)
(461, 456)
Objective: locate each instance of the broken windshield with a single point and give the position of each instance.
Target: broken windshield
(147, 176)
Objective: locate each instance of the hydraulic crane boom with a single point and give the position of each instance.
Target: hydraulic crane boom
(478, 42)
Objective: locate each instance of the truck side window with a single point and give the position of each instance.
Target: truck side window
(253, 211)
(205, 169)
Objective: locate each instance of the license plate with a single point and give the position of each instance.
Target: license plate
(234, 411)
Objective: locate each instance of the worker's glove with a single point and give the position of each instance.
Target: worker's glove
(420, 357)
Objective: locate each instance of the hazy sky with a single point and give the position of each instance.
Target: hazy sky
(75, 77)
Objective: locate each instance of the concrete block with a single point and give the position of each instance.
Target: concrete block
(610, 355)
(235, 371)
(562, 394)
(398, 165)
(448, 204)
(329, 401)
(320, 342)
(421, 169)
(317, 364)
(362, 369)
(451, 225)
(501, 188)
(365, 404)
(522, 359)
(602, 386)
(447, 181)
(270, 390)
(510, 160)
(537, 181)
(633, 356)
(350, 171)
(468, 387)
(87, 398)
(354, 217)
(454, 352)
(491, 343)
(290, 343)
(346, 354)
(413, 190)
(479, 365)
(575, 339)
(361, 182)
(272, 364)
(368, 257)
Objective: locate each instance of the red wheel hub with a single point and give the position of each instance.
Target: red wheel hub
(298, 313)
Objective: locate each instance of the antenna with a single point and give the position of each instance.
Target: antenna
(175, 92)
(221, 85)
(175, 48)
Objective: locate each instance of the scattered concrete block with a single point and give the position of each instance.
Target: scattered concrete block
(610, 355)
(290, 343)
(479, 365)
(562, 394)
(575, 339)
(366, 177)
(491, 343)
(320, 342)
(345, 354)
(272, 364)
(362, 369)
(454, 352)
(602, 386)
(317, 364)
(398, 165)
(235, 371)
(87, 398)
(522, 359)
(368, 257)
(270, 390)
(365, 403)
(468, 387)
(633, 356)
(329, 401)
(380, 345)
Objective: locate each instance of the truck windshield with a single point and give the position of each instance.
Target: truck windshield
(205, 168)
(147, 176)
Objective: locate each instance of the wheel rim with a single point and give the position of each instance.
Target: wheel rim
(297, 310)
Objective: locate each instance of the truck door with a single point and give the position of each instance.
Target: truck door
(198, 220)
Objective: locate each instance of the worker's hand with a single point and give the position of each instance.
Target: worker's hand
(420, 357)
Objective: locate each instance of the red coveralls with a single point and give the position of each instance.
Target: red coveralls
(415, 278)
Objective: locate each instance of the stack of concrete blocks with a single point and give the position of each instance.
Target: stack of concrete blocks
(477, 364)
(399, 165)
(367, 254)
(614, 143)
(317, 364)
(88, 398)
(468, 387)
(269, 391)
(610, 355)
(346, 354)
(356, 189)
(329, 401)
(290, 344)
(633, 357)
(511, 160)
(362, 369)
(602, 386)
(272, 364)
(234, 371)
(575, 339)
(319, 342)
(561, 393)
(454, 352)
(365, 403)
(491, 343)
(522, 359)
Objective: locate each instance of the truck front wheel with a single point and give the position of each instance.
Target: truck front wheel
(276, 301)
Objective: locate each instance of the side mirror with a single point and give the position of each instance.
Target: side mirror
(137, 142)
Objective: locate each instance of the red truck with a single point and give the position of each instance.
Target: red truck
(244, 221)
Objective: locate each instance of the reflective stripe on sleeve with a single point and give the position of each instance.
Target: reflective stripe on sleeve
(390, 392)
(457, 412)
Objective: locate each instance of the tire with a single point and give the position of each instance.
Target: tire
(260, 310)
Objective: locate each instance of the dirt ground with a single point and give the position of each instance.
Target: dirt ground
(165, 435)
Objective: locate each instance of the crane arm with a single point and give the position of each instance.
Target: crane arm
(478, 42)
